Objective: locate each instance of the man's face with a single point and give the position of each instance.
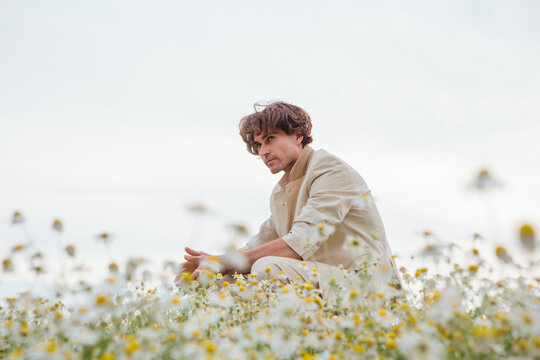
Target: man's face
(278, 150)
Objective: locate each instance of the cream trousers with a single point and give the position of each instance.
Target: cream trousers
(291, 270)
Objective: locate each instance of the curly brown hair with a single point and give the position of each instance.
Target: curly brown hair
(277, 115)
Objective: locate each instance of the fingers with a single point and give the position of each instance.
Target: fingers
(193, 259)
(185, 267)
(193, 252)
(192, 264)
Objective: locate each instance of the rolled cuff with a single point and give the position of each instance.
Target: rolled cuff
(304, 239)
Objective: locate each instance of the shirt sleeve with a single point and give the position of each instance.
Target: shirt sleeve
(267, 232)
(332, 193)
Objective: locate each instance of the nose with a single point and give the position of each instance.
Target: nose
(263, 150)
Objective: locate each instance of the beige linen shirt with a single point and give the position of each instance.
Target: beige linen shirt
(321, 195)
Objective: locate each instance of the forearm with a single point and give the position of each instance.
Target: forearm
(276, 247)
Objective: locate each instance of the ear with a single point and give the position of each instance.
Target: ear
(299, 138)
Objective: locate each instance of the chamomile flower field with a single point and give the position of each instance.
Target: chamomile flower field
(121, 145)
(446, 310)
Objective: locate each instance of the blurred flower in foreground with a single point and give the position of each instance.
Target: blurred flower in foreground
(113, 268)
(70, 250)
(81, 268)
(239, 229)
(235, 258)
(526, 237)
(131, 266)
(17, 248)
(418, 346)
(325, 230)
(365, 201)
(458, 315)
(57, 225)
(169, 265)
(429, 237)
(146, 275)
(351, 243)
(211, 263)
(503, 255)
(198, 208)
(105, 237)
(17, 218)
(484, 180)
(7, 265)
(477, 237)
(433, 251)
(356, 246)
(37, 263)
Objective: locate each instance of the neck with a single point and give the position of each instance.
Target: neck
(290, 170)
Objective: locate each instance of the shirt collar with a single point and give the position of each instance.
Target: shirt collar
(299, 168)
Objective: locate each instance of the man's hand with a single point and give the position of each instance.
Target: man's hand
(193, 263)
(227, 264)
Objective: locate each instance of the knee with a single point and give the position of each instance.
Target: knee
(266, 267)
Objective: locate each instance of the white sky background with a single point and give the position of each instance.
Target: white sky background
(117, 115)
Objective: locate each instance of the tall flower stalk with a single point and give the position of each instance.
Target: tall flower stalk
(58, 227)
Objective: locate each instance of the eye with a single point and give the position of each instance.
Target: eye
(270, 138)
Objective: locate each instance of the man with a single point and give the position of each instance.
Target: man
(322, 214)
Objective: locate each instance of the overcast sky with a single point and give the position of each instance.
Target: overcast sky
(117, 115)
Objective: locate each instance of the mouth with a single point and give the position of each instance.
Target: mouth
(269, 161)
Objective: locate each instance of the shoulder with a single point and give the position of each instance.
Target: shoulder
(322, 159)
(325, 164)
